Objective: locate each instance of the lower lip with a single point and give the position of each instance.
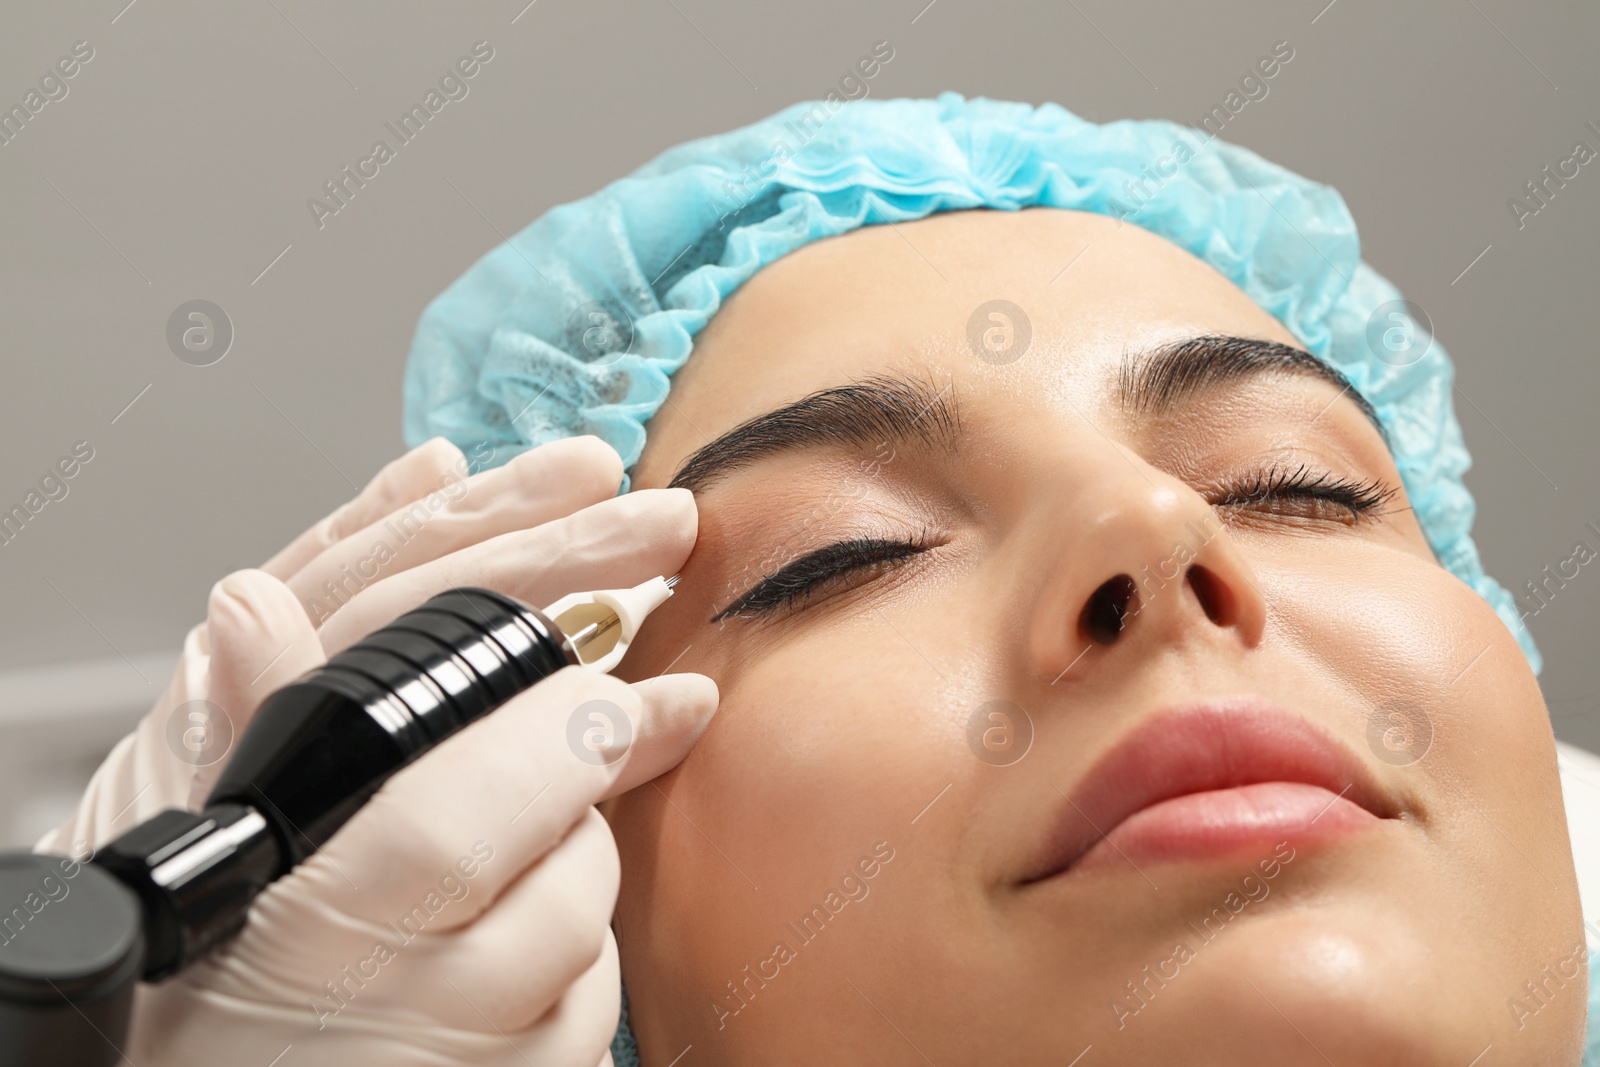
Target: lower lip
(1224, 821)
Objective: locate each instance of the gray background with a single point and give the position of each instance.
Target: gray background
(180, 163)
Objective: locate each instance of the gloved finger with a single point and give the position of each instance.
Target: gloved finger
(618, 542)
(575, 1030)
(545, 930)
(547, 483)
(507, 788)
(579, 1027)
(260, 641)
(420, 471)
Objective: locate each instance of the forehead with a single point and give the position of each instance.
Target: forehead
(919, 296)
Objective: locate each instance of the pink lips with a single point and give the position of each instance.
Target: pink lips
(1208, 779)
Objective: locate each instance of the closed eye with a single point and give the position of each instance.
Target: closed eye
(823, 570)
(1307, 494)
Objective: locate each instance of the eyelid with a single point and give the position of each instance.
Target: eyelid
(1363, 498)
(868, 551)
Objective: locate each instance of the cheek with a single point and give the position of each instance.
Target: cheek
(1471, 743)
(847, 725)
(823, 746)
(822, 739)
(1381, 624)
(1440, 686)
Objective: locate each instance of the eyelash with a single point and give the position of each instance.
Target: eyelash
(1361, 501)
(796, 582)
(801, 578)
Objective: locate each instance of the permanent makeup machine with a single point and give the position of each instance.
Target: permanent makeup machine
(76, 936)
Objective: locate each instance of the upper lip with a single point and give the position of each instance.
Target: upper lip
(1217, 744)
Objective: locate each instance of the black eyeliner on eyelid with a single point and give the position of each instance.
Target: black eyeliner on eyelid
(803, 576)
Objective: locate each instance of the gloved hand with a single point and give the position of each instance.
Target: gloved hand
(461, 917)
(517, 529)
(261, 627)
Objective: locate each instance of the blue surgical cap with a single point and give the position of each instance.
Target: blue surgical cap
(576, 324)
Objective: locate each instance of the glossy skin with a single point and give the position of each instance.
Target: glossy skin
(1386, 940)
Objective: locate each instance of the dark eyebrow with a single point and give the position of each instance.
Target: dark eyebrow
(883, 408)
(1163, 377)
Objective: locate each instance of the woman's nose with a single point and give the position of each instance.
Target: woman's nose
(1144, 560)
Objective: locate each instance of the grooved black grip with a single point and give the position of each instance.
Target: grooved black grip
(314, 754)
(324, 744)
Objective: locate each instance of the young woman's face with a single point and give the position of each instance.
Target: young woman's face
(1116, 701)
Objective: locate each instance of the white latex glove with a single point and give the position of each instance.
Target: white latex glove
(256, 639)
(517, 529)
(461, 917)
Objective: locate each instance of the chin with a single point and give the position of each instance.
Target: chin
(1309, 987)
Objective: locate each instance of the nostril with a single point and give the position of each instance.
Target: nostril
(1214, 596)
(1108, 607)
